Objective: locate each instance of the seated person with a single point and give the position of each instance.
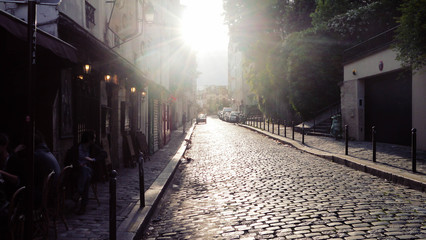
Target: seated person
(88, 153)
(11, 166)
(8, 182)
(44, 163)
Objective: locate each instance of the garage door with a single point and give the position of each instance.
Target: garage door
(388, 107)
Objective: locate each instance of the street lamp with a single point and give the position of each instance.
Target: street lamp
(143, 93)
(107, 78)
(87, 68)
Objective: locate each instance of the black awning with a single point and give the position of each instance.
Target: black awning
(18, 28)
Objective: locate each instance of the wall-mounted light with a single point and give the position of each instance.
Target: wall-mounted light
(133, 89)
(87, 68)
(107, 78)
(143, 93)
(80, 77)
(354, 72)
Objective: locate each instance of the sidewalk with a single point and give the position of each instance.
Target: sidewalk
(393, 162)
(94, 224)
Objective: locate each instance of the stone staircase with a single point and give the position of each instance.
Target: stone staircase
(320, 129)
(321, 124)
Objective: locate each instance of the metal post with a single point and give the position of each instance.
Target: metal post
(303, 133)
(413, 149)
(373, 139)
(264, 123)
(141, 181)
(346, 139)
(314, 125)
(273, 126)
(113, 206)
(30, 118)
(269, 120)
(279, 127)
(285, 128)
(292, 126)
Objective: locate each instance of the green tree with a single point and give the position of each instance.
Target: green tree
(294, 48)
(411, 34)
(364, 21)
(314, 71)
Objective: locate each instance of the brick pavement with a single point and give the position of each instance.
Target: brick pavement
(95, 224)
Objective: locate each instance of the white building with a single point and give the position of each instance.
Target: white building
(378, 91)
(239, 90)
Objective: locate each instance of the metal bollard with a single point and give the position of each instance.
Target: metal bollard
(413, 149)
(314, 125)
(141, 181)
(269, 121)
(113, 206)
(292, 126)
(279, 127)
(303, 133)
(346, 139)
(373, 139)
(285, 128)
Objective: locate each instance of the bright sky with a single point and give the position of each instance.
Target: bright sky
(203, 29)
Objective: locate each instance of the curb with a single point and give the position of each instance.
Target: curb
(133, 226)
(392, 174)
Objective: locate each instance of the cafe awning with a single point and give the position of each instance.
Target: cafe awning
(18, 28)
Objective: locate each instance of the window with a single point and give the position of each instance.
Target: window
(90, 15)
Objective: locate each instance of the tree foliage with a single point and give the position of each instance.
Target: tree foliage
(411, 37)
(293, 49)
(314, 71)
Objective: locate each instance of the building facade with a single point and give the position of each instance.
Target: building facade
(124, 92)
(239, 90)
(378, 91)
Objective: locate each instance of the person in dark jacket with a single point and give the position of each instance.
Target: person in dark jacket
(44, 163)
(86, 158)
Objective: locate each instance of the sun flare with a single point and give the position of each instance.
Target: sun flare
(202, 26)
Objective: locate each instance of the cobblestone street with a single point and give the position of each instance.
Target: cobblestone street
(238, 184)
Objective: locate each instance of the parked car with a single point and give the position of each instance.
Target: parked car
(225, 113)
(220, 115)
(201, 118)
(234, 116)
(226, 116)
